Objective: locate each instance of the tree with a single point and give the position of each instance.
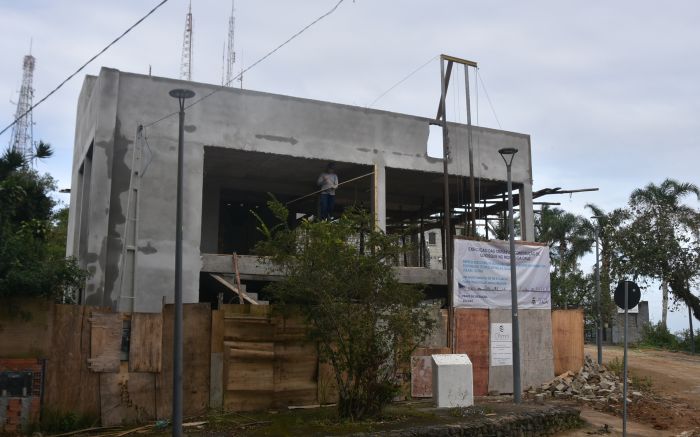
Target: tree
(31, 262)
(569, 237)
(339, 276)
(661, 241)
(609, 225)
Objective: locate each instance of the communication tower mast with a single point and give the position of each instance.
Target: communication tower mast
(186, 63)
(230, 53)
(22, 135)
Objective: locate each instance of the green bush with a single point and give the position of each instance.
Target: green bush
(685, 340)
(657, 335)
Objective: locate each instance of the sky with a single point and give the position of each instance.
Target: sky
(608, 91)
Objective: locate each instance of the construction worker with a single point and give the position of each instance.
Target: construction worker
(328, 181)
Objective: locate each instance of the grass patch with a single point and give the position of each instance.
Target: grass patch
(639, 383)
(55, 422)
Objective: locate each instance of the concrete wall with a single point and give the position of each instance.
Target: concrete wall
(635, 325)
(112, 106)
(536, 353)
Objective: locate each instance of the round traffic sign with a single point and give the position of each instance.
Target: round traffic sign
(633, 294)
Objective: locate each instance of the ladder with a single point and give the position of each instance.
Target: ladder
(131, 225)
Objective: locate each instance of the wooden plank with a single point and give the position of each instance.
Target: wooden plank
(235, 290)
(567, 340)
(145, 347)
(25, 328)
(196, 360)
(70, 386)
(295, 370)
(217, 331)
(105, 342)
(127, 397)
(472, 338)
(216, 386)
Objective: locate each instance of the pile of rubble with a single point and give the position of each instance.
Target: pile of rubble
(592, 384)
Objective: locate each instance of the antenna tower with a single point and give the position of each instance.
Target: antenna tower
(186, 63)
(21, 139)
(230, 52)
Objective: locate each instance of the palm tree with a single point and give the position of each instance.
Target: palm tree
(569, 237)
(659, 208)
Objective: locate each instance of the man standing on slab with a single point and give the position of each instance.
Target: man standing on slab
(328, 181)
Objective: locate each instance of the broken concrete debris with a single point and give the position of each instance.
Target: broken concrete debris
(593, 384)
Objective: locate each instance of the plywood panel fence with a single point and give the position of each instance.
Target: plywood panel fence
(267, 361)
(567, 339)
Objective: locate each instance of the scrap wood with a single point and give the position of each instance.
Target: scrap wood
(203, 422)
(80, 431)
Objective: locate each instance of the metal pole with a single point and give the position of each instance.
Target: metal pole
(181, 95)
(513, 293)
(447, 259)
(599, 334)
(472, 195)
(624, 373)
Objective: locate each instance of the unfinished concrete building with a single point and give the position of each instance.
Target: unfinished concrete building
(241, 145)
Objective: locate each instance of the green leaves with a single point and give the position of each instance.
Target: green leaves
(365, 322)
(32, 236)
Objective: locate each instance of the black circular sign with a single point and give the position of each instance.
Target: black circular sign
(633, 294)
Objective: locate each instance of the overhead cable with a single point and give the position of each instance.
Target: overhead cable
(270, 53)
(83, 66)
(402, 80)
(488, 98)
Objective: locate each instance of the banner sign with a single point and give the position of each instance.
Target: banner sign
(481, 275)
(501, 344)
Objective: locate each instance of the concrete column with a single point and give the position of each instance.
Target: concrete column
(379, 196)
(527, 215)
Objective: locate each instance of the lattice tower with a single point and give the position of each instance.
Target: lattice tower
(186, 63)
(230, 52)
(21, 139)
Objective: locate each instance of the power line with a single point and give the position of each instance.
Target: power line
(402, 81)
(270, 53)
(488, 99)
(83, 66)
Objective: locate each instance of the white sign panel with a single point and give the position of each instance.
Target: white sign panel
(481, 275)
(501, 344)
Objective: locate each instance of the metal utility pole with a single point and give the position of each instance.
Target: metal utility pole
(181, 95)
(21, 139)
(230, 51)
(599, 333)
(472, 193)
(186, 60)
(447, 243)
(517, 390)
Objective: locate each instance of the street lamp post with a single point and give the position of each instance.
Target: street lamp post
(509, 152)
(599, 333)
(181, 95)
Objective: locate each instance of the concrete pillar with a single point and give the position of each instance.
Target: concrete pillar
(527, 215)
(379, 196)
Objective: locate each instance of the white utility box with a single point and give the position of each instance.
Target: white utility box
(453, 380)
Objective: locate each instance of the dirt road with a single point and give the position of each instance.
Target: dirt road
(675, 382)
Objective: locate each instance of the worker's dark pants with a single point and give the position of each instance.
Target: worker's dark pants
(327, 203)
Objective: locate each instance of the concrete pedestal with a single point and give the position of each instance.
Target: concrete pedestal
(453, 381)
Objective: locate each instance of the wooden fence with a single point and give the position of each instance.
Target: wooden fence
(567, 340)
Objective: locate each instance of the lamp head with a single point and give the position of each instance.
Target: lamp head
(508, 151)
(180, 93)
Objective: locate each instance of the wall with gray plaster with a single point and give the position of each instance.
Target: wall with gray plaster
(635, 325)
(536, 354)
(112, 106)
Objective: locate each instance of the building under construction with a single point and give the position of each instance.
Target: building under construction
(241, 145)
